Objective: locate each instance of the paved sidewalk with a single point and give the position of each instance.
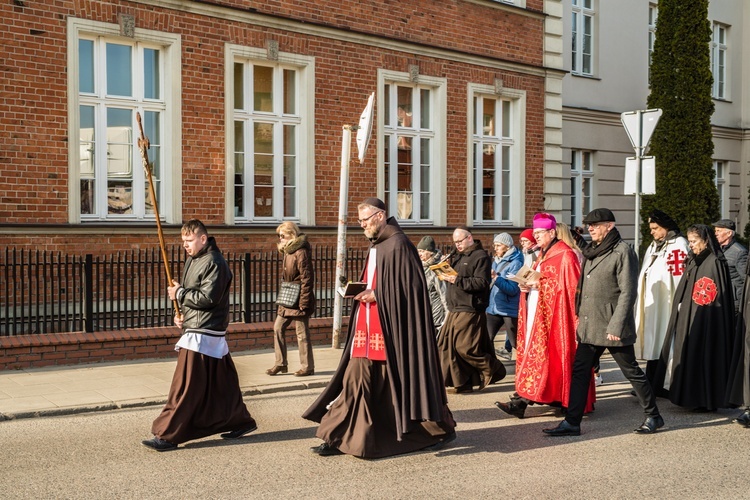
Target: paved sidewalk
(64, 390)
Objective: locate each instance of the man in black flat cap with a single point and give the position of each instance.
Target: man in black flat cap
(387, 396)
(736, 256)
(604, 305)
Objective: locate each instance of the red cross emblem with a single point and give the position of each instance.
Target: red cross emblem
(676, 262)
(704, 291)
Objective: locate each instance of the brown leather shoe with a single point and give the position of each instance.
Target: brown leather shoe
(304, 373)
(277, 369)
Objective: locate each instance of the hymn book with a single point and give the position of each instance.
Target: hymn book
(352, 289)
(443, 269)
(525, 276)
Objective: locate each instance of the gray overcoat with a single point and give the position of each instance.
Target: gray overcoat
(608, 287)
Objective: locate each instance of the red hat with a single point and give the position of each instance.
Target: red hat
(528, 234)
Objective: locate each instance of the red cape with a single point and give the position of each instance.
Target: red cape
(544, 364)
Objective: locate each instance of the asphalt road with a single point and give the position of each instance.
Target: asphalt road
(99, 455)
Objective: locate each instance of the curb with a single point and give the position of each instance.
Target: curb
(145, 402)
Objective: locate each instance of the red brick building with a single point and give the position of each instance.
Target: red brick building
(244, 103)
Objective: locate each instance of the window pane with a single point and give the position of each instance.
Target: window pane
(387, 105)
(151, 74)
(152, 129)
(86, 66)
(424, 110)
(263, 88)
(119, 143)
(506, 119)
(387, 163)
(87, 139)
(290, 155)
(119, 197)
(119, 70)
(404, 107)
(290, 92)
(239, 86)
(489, 120)
(239, 168)
(87, 196)
(290, 201)
(263, 169)
(405, 180)
(424, 178)
(475, 125)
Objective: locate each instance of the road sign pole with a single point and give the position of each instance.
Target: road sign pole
(639, 126)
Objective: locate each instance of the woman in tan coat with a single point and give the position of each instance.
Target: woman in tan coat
(297, 268)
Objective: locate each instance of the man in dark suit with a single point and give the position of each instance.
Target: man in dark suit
(606, 294)
(736, 256)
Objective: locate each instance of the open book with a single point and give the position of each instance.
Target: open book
(352, 288)
(443, 269)
(525, 275)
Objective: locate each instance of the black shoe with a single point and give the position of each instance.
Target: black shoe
(743, 419)
(464, 389)
(516, 408)
(650, 425)
(159, 444)
(441, 444)
(326, 450)
(239, 432)
(564, 429)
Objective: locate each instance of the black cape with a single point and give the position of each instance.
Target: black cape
(409, 332)
(738, 389)
(701, 327)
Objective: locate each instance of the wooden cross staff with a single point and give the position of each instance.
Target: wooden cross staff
(143, 146)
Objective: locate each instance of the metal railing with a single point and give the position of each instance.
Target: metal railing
(49, 292)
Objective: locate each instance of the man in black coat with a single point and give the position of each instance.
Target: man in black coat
(467, 355)
(386, 397)
(736, 256)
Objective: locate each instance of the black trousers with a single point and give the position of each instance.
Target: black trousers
(586, 357)
(495, 323)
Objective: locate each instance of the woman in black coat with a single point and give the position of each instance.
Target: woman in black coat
(695, 357)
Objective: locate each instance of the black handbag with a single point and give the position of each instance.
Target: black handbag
(289, 294)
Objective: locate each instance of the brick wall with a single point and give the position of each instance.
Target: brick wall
(33, 191)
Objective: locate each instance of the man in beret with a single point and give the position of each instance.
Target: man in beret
(604, 304)
(661, 272)
(386, 396)
(736, 256)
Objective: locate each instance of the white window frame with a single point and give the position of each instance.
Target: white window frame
(515, 141)
(720, 61)
(437, 135)
(581, 168)
(305, 192)
(653, 15)
(583, 10)
(720, 181)
(169, 198)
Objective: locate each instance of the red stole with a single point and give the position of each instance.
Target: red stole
(368, 335)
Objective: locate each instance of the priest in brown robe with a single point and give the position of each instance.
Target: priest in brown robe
(386, 396)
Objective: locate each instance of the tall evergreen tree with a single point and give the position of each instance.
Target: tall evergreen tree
(681, 83)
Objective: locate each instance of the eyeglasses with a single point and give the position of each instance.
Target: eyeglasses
(540, 231)
(461, 240)
(283, 236)
(360, 221)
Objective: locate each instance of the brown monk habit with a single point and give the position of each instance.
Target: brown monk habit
(412, 362)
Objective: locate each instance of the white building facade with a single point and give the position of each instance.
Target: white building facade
(606, 51)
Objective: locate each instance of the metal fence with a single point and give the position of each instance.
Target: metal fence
(49, 292)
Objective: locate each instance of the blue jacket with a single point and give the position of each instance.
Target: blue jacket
(504, 293)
